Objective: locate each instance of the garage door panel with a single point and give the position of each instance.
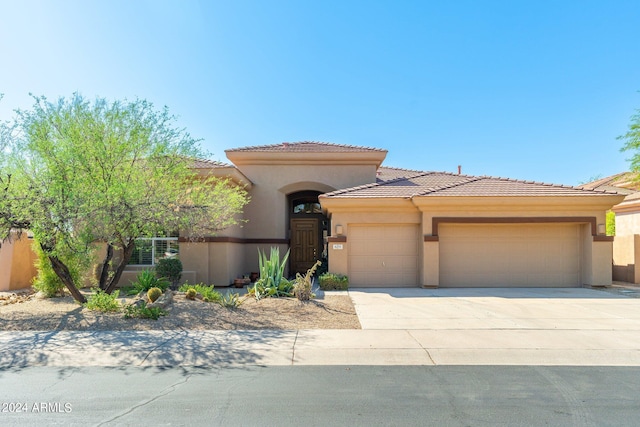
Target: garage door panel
(510, 255)
(383, 255)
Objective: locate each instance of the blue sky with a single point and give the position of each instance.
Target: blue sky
(525, 89)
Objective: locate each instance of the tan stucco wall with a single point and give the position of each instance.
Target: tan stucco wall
(17, 260)
(626, 256)
(627, 223)
(267, 211)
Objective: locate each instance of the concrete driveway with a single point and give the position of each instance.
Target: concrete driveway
(569, 327)
(499, 326)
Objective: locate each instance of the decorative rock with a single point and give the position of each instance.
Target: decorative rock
(165, 300)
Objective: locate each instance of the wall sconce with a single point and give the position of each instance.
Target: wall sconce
(338, 230)
(601, 229)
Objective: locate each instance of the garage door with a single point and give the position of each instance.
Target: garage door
(501, 255)
(383, 255)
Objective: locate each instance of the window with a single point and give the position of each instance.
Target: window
(307, 208)
(148, 251)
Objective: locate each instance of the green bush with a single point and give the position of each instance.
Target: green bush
(102, 301)
(611, 223)
(207, 292)
(143, 312)
(170, 269)
(272, 282)
(146, 280)
(331, 282)
(47, 281)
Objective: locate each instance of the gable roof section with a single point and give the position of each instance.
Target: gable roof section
(428, 184)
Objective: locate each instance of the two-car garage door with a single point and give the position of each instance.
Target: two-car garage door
(470, 255)
(510, 255)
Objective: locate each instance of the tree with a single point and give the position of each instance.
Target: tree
(632, 141)
(86, 172)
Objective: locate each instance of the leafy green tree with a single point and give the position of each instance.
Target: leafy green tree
(86, 172)
(632, 141)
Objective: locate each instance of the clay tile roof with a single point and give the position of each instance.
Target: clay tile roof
(386, 173)
(306, 146)
(624, 183)
(448, 184)
(210, 164)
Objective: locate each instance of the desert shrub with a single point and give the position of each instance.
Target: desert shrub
(154, 293)
(272, 282)
(102, 301)
(143, 312)
(207, 292)
(170, 269)
(47, 281)
(230, 300)
(146, 280)
(332, 281)
(190, 293)
(303, 285)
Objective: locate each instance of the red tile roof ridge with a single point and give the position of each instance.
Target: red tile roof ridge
(285, 144)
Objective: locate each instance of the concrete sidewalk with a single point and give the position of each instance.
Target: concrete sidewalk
(575, 327)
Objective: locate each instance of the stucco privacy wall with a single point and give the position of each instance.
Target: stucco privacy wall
(626, 247)
(16, 263)
(594, 253)
(626, 256)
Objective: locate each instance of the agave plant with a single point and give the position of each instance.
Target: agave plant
(272, 282)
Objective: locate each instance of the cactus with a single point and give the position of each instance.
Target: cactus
(153, 294)
(190, 293)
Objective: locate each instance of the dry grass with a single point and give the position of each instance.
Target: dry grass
(330, 312)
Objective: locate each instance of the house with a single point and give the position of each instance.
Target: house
(393, 227)
(626, 246)
(388, 227)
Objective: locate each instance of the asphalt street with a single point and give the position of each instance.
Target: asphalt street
(321, 396)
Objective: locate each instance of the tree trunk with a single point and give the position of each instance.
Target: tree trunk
(104, 274)
(126, 256)
(63, 273)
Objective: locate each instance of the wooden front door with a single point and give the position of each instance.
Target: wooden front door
(305, 248)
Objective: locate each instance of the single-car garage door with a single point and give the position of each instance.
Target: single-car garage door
(506, 255)
(383, 255)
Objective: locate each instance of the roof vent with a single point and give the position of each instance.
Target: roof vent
(459, 169)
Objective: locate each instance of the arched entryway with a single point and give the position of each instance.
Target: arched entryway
(308, 231)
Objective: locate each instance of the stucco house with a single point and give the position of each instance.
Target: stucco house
(389, 227)
(626, 246)
(393, 227)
